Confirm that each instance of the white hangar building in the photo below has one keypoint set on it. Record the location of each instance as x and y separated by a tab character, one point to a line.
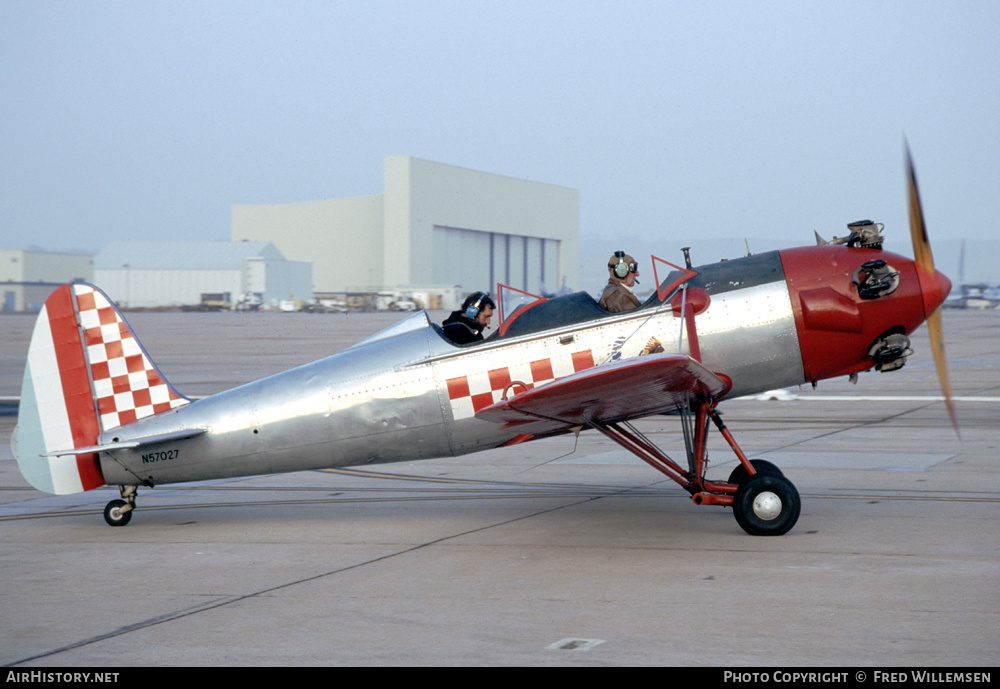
433	225
150	274
27	278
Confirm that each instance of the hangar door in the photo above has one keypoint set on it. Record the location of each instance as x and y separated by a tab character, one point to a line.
478	260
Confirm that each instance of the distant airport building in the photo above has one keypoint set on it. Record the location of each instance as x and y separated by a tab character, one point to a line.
433	224
27	278
201	274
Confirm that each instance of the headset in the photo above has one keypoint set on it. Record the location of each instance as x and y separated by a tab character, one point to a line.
622	269
472	310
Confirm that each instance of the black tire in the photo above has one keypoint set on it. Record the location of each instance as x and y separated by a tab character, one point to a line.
766	505
114	515
761	466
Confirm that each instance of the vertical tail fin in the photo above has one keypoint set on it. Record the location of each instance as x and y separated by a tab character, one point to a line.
86	373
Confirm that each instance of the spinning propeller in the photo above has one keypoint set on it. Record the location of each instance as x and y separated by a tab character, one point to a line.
932	284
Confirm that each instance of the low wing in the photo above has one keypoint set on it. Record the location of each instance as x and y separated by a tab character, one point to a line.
624	389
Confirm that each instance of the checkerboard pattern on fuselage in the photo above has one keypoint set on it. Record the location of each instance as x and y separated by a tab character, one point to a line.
470	393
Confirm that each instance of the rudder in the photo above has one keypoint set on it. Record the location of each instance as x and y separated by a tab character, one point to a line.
86	373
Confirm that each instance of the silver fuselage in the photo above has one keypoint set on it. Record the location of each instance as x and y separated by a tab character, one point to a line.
407	393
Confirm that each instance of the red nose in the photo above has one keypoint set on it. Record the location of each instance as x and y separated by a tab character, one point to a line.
934	288
945	284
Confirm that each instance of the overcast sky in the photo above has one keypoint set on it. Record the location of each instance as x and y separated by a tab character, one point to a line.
149	120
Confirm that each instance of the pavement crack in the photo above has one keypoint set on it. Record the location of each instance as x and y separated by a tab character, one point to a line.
230	600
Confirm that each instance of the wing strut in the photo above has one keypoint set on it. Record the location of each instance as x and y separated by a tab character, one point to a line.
763	500
695	426
626	435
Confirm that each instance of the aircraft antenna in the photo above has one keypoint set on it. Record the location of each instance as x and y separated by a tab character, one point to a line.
576	432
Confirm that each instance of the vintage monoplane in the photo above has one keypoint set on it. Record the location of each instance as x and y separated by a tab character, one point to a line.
95	410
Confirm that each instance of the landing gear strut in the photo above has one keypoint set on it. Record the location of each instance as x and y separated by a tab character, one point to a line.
119	512
764	502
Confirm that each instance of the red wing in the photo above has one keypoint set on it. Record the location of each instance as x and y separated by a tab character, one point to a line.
624	389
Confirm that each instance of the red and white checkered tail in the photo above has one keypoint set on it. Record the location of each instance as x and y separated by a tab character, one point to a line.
86	373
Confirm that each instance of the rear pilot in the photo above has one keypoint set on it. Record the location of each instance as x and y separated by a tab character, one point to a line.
618	295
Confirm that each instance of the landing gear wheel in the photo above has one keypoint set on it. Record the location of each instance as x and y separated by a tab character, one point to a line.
115	513
766	505
761	466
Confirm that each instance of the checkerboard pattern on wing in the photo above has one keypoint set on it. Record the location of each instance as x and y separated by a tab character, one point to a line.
470	393
126	384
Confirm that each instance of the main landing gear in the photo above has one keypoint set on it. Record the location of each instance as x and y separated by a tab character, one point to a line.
766	505
764	502
119	512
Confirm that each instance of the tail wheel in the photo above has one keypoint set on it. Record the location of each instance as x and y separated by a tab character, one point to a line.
766	505
118	513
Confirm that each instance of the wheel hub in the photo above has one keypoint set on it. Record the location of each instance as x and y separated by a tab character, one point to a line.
767	505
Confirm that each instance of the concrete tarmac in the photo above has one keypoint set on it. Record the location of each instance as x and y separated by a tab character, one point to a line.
557	552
